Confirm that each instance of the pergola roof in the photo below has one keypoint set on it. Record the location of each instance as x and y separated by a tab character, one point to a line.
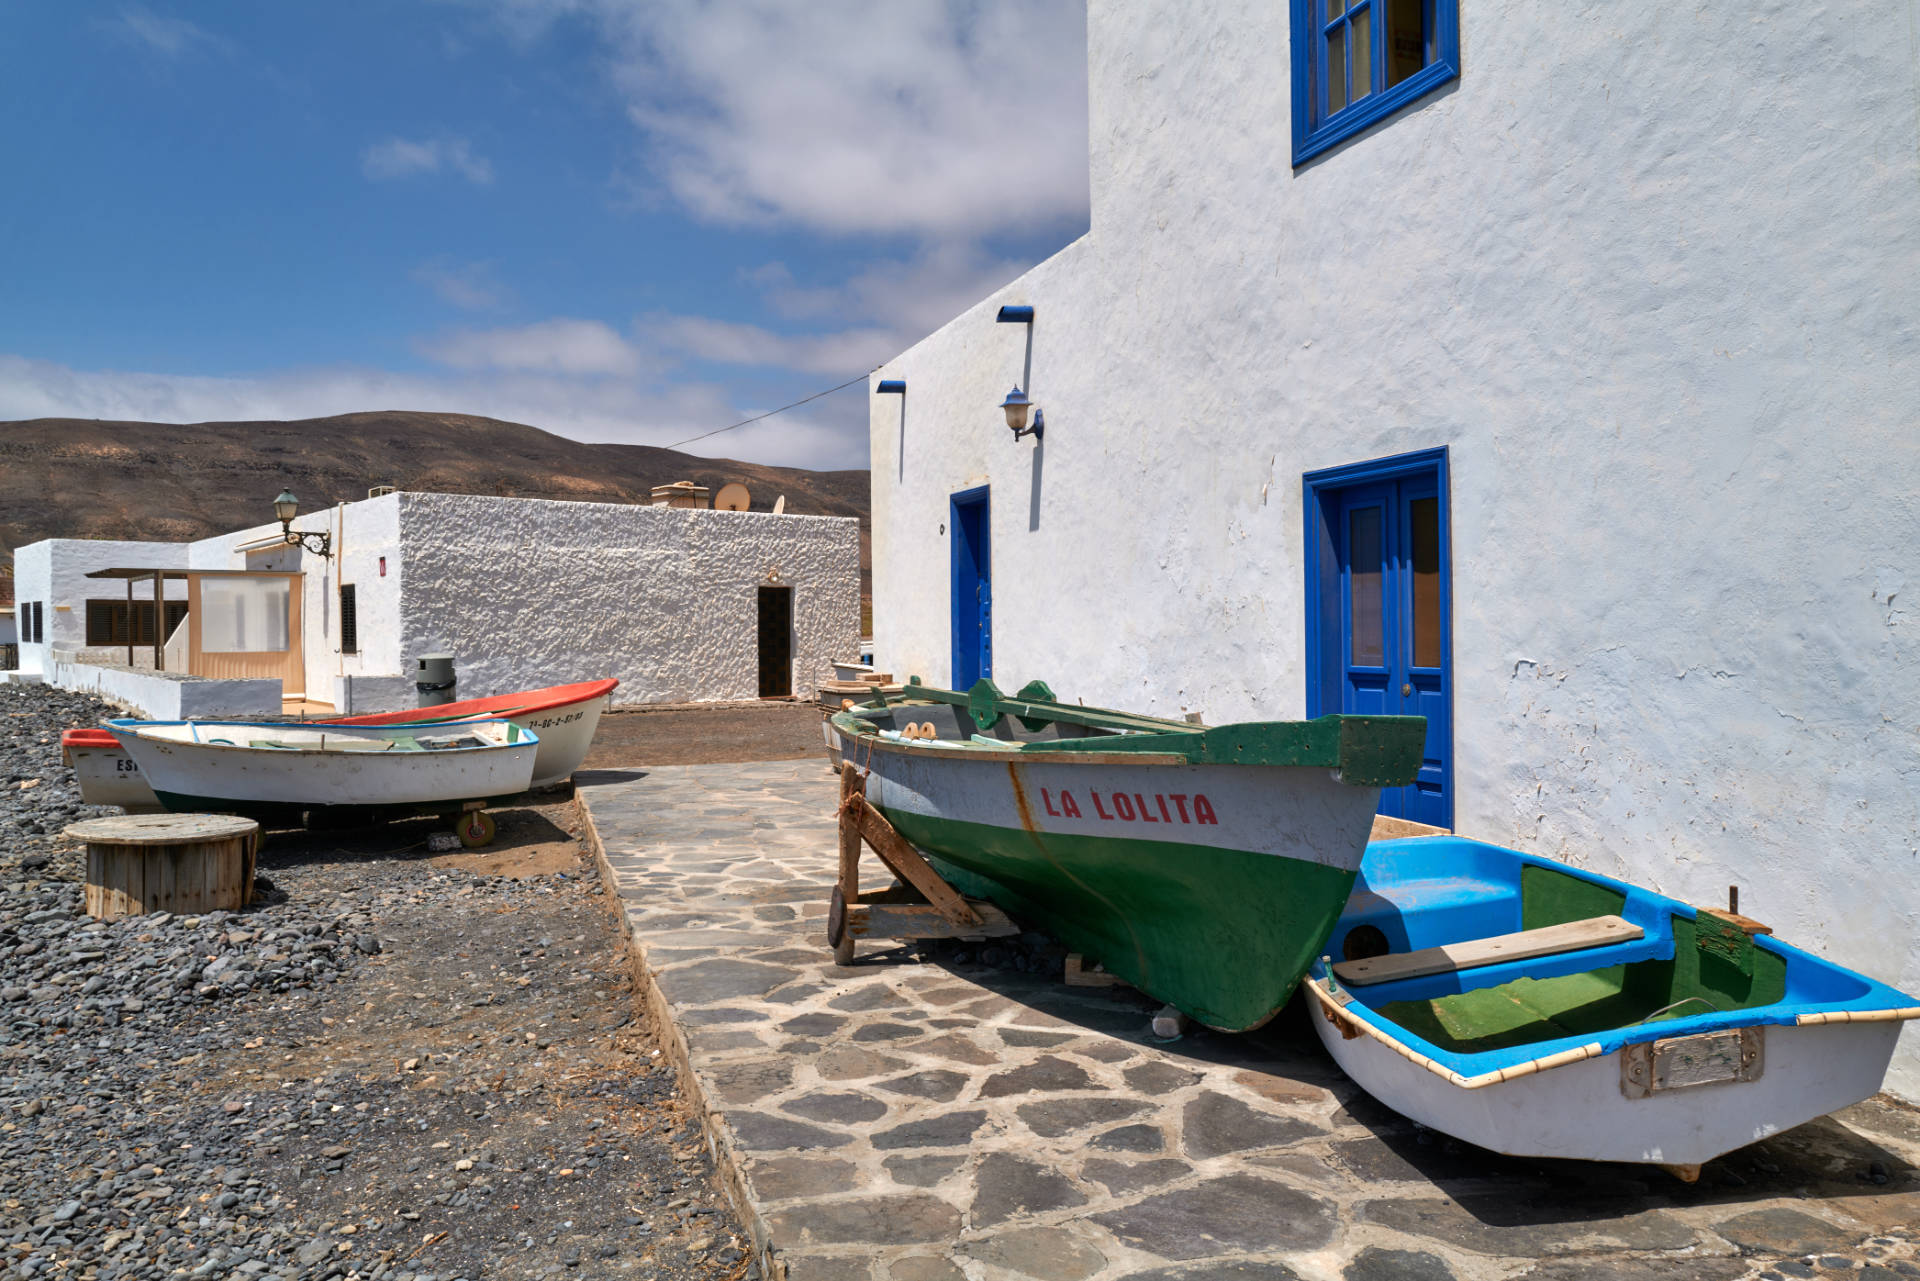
137	574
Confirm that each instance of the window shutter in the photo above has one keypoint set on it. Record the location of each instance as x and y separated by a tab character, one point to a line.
349	621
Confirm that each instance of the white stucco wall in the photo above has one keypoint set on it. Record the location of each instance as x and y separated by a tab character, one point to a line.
54	571
166	696
362	533
1647	273
530	592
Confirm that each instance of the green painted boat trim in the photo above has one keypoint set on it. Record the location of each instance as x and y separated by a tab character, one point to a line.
1221	934
1368	751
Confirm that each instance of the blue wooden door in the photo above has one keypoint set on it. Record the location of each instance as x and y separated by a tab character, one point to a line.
972	589
1387	627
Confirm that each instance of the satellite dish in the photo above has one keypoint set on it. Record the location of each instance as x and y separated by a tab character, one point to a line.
780	505
732	498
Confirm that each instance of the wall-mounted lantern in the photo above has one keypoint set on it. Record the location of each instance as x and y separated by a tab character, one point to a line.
1016	406
319	543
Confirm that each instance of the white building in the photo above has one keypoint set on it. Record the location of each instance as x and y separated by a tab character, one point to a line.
1556	376
681	605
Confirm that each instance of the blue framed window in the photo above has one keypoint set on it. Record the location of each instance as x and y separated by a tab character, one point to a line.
1358	61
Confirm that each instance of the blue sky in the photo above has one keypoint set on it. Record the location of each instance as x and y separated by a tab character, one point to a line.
616	221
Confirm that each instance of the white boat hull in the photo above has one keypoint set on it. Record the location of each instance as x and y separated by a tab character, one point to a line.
218	774
566	735
109	776
1578	1110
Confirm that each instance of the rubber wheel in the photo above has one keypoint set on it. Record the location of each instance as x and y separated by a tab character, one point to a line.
476	829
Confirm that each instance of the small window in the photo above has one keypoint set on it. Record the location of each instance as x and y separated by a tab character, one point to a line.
39	623
1358	61
349	621
107	621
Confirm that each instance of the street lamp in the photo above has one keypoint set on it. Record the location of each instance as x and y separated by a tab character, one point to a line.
320	543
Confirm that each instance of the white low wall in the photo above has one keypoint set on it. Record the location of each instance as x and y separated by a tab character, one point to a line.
362	695
165	696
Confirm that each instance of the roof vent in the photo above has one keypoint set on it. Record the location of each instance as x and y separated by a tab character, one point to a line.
381	491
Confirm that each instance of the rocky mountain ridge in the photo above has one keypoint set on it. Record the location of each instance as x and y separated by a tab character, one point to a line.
93	478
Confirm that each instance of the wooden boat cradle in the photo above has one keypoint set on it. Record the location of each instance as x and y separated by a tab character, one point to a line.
940	910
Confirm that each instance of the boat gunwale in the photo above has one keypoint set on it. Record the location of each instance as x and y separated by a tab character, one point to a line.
531	739
1880	1001
872	741
1320	743
596	689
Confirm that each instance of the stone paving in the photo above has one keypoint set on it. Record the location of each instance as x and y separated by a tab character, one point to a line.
908	1121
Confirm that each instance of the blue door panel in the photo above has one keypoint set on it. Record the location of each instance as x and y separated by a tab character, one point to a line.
1379	640
972	593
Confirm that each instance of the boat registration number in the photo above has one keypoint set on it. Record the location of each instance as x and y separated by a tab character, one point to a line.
1684	1062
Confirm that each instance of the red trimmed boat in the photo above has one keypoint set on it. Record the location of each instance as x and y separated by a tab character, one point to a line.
563	716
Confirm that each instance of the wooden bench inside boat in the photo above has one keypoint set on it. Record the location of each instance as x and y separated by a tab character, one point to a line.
1548	940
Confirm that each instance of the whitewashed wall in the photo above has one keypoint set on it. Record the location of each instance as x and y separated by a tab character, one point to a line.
530	592
169	696
54	571
362	533
1650	275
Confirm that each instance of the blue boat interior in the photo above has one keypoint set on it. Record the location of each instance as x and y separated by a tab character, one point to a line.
1685	972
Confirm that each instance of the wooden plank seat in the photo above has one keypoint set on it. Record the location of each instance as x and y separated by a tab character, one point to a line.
1548	940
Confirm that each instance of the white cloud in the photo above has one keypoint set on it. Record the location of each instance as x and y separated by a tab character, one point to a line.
828	434
403	158
562	346
912	296
842	354
471	285
946	121
171	37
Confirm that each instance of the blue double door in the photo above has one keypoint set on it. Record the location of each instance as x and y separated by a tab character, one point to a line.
1382	627
972	600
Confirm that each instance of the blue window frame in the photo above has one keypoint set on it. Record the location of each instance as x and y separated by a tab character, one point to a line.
1359	61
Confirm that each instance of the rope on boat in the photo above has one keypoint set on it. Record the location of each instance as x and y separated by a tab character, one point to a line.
1685	1000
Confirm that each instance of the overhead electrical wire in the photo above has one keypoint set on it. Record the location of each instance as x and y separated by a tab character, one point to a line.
771	412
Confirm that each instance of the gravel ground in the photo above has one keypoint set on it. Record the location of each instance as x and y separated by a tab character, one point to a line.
391	1066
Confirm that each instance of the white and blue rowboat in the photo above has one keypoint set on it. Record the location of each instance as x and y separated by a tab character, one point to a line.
1540	1010
280	770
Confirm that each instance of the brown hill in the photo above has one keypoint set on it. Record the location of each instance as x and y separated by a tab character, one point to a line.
88	478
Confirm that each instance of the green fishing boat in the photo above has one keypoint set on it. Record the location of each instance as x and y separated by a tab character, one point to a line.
1205	865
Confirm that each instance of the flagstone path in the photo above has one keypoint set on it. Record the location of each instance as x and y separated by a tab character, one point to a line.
907	1121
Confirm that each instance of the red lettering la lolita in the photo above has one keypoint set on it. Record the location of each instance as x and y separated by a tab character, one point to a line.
1135	807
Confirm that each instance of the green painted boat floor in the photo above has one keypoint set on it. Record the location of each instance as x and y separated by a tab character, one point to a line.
1223	935
1528	1011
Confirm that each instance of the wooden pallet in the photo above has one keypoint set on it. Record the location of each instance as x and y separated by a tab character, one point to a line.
920	906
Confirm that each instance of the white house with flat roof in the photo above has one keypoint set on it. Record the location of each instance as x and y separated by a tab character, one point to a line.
682	605
1550	372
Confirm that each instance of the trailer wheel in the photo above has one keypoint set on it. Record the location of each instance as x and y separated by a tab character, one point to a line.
476	829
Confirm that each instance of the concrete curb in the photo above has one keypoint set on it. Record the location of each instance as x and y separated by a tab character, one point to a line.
712	1122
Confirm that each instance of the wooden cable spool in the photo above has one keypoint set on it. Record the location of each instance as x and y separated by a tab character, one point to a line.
182	863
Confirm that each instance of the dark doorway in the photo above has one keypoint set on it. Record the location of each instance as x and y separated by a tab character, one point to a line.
776	642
